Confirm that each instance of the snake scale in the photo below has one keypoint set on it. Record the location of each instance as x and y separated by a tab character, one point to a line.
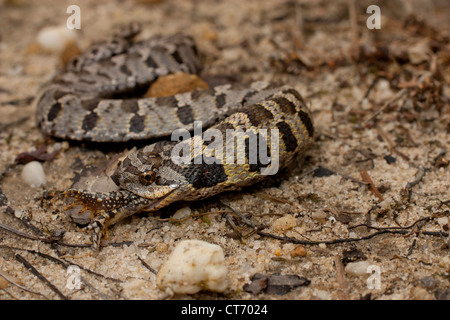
99	98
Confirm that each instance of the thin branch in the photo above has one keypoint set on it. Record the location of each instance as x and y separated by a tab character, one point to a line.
396	97
57	240
420	173
426	219
240	215
345	176
336	241
95	290
192	216
24	235
22	287
145	264
390	143
272	198
343	292
65	263
34	271
365	176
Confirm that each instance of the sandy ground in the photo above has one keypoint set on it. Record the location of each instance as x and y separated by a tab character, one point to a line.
380	100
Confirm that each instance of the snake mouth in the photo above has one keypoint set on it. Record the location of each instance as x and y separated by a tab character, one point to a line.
160	202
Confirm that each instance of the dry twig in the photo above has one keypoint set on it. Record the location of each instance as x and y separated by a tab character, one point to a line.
34	271
386	105
380	231
365	176
343	292
22	287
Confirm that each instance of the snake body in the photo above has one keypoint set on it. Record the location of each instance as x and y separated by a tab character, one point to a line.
93	101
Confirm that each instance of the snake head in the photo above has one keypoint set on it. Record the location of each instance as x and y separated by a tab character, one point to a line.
144	174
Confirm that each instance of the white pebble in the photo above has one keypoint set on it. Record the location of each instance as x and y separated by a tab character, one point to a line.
193	266
358	268
20	214
182	213
443	221
33	174
322	295
55	38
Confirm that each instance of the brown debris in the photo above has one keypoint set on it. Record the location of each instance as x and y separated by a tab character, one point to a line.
35	272
71	50
282	284
298	252
343	291
176	83
40	154
365	177
258	284
275	284
352	255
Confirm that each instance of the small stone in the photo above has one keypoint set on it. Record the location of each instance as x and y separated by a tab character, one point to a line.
322	172
210	35
258	283
442	294
352	255
182	213
390	159
284	223
323	295
357	269
282	284
343	218
428	282
175	84
298	252
21	214
443	221
161	247
233	53
135	288
278	252
33	174
55	38
319	216
193	266
418	293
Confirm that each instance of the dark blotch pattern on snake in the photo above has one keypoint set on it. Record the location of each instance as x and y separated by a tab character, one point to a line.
91	101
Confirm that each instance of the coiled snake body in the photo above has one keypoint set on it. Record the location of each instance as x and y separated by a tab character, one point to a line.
91	101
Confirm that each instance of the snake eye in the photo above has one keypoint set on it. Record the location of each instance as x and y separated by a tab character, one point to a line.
147	177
